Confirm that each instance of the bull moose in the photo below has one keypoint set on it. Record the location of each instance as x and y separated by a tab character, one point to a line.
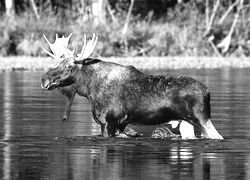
120	95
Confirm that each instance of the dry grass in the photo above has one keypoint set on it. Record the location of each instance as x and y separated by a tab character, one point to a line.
33	63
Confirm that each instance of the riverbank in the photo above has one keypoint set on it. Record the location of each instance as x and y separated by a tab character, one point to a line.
44	63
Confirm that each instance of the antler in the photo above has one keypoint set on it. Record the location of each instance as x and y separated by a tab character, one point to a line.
59	48
88	47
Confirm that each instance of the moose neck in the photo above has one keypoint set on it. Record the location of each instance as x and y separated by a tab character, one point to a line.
89	76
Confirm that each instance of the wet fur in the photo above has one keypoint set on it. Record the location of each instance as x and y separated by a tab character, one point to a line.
120	95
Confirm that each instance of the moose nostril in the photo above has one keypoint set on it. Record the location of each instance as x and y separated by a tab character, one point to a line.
45	83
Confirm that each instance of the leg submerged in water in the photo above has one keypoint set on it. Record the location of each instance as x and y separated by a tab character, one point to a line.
201	118
187	130
209	131
206	128
69	92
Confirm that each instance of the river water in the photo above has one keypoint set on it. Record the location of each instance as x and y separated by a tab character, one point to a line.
36	144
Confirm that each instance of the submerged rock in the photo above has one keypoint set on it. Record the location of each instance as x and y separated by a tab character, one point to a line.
128	132
164	132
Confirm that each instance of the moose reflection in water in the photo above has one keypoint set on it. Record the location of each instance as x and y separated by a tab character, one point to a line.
171	162
121	95
176	160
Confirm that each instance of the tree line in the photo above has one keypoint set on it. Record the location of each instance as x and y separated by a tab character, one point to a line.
130	27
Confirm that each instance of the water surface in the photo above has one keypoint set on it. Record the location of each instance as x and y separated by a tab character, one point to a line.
36	144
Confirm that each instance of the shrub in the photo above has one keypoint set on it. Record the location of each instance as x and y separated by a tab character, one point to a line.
179	33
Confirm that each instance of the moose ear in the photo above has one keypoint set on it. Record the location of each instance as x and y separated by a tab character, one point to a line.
87	61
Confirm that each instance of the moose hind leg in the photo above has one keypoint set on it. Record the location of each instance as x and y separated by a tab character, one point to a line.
209	130
201	118
187	130
204	124
108	123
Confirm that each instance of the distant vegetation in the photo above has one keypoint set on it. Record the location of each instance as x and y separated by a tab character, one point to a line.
129	27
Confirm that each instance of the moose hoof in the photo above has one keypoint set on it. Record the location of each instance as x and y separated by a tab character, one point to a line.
65	119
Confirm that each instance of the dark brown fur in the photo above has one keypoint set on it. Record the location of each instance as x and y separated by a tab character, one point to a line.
120	95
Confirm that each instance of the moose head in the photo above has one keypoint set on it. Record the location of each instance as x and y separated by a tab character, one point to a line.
64	74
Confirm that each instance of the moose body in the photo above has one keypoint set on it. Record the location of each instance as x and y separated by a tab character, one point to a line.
120	95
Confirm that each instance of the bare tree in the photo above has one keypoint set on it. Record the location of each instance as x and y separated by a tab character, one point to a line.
111	13
210	20
33	4
10	10
125	27
98	11
225	43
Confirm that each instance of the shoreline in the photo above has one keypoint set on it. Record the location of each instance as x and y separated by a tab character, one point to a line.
150	63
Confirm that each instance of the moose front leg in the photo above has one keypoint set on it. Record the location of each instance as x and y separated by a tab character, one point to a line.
69	92
109	123
108	129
